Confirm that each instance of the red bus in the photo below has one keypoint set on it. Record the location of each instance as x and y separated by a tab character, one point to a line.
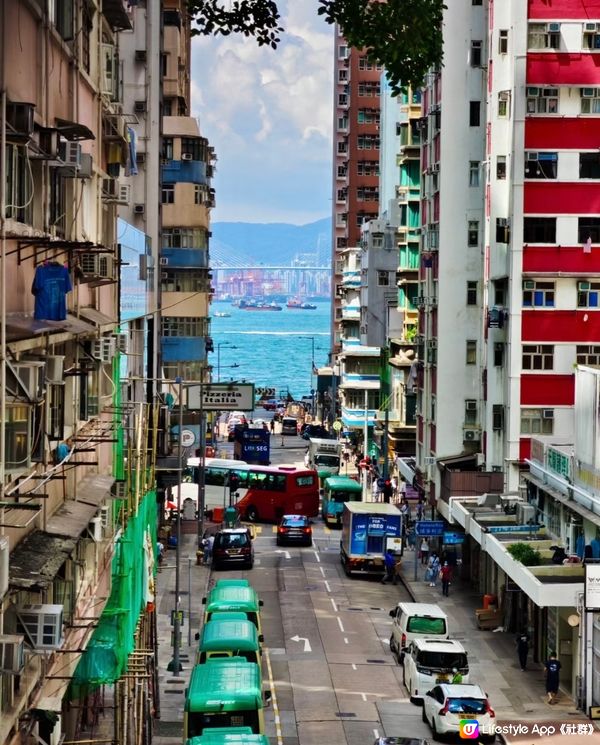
274	491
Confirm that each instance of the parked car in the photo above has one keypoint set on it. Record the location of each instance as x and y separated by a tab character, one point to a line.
233	546
416	621
445	705
315	430
430	661
294	529
272	404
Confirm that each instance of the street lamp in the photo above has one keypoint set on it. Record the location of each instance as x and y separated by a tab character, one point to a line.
219	345
312	368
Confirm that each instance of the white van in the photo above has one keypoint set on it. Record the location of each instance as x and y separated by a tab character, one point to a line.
428	662
416	621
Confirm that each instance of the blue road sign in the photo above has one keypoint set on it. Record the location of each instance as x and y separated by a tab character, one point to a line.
430	527
453	538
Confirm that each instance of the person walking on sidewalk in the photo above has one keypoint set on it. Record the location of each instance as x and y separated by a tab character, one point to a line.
552	666
390	567
445	576
424	550
207	544
523	649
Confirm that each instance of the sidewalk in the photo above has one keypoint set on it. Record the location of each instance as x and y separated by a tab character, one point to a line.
168	729
514	694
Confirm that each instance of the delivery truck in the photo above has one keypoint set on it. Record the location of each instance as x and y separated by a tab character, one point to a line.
369	529
324	456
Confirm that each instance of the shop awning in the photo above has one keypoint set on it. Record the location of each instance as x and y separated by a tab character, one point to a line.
23	326
35	562
71	519
563	499
74	131
101	320
458	461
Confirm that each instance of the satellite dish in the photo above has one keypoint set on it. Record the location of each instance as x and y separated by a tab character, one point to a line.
573	620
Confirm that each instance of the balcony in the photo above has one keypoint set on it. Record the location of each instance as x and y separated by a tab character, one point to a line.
183	348
180	171
182	258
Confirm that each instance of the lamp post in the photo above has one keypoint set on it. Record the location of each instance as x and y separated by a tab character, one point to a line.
219	345
312	368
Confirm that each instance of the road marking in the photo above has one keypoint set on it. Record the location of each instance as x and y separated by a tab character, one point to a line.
335	608
322	571
340	624
354	667
317	557
285	553
347	642
375	734
307	647
327	586
278	731
326	529
384	641
364	696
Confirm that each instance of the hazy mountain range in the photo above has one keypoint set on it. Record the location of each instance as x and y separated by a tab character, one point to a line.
238	243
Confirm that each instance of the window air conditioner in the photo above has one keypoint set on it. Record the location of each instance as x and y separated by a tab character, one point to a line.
139	107
31	376
471	406
96	265
20	117
3	566
583	286
104	349
121	342
123	194
70	153
164	275
547	413
164	261
589	27
471	435
533	91
119	490
96	530
525	513
186	156
42	625
140	55
532	156
502	222
139	209
140	158
55	364
105	517
12	653
588	92
553	28
529	284
432	344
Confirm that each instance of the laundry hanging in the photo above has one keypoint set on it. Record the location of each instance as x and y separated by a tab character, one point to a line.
50	286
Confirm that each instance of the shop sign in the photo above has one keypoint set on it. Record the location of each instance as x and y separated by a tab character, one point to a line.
592	586
513	528
450	539
558	462
221	397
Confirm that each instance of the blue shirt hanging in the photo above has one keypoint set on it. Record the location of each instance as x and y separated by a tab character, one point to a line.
50	286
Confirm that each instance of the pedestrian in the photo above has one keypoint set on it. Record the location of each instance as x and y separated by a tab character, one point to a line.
552	666
445	575
387	491
390	567
207	544
457	677
160	552
522	642
375	490
420	509
433	569
273	425
424	549
412	538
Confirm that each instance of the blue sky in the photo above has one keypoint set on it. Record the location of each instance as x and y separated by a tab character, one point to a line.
268	114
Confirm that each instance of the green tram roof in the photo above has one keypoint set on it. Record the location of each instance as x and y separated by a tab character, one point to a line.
232	583
229	736
232	597
219	635
226	615
228	684
342	483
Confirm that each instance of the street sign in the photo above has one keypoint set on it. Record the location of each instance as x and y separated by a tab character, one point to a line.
187	438
429	527
450	539
221	397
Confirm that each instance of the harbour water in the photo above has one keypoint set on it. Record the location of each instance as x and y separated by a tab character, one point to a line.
270	348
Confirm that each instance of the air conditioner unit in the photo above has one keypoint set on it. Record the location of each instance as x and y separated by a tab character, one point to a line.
471	435
533	91
471	406
435	168
119	490
164	261
139	209
553	28
502	222
139	107
31	376
3	566
104	349
420	301
504	96
547	413
532	156
140	158
429	460
124	194
186	156
488	500
525	513
363	329
96	265
529	284
432	344
96	530
12	653
589	27
583	286
105	517
140	55
70	153
86	167
588	92
121	342
42	625
20	117
55	365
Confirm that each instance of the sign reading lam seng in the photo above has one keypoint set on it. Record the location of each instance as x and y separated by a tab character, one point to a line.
221	397
592	586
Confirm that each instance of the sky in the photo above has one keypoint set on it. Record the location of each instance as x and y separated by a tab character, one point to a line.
268	114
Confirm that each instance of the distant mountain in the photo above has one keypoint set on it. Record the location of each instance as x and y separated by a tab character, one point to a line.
237	243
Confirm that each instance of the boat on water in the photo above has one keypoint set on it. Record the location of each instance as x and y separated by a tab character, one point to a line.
222	314
252	305
295	303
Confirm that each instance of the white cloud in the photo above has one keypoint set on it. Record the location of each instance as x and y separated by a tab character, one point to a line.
268	113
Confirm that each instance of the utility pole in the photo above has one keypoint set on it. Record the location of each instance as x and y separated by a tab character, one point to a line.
174	665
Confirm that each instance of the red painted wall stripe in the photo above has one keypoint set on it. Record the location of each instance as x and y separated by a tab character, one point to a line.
585	10
561	198
560	325
556	68
560	259
524	448
547	390
556	133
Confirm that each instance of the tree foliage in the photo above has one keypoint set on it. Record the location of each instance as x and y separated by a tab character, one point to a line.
405	36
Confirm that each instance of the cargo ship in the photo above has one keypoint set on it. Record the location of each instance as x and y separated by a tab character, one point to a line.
252	305
295	303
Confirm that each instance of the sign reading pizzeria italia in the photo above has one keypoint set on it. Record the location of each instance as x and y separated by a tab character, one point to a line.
221	397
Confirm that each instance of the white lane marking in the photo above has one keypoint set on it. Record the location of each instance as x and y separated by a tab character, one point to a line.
285	553
340	624
322	571
317	557
354	667
347	642
278	731
307	647
384	641
327	586
335	608
376	734
364	696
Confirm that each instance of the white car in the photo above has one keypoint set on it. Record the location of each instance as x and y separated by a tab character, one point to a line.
430	661
236	415
446	705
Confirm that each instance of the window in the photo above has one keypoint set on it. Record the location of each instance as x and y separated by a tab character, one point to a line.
364	64
16	448
342	99
167	107
168	194
473	233
588	227
591	36
497	417
88	395
58	202
87	24
473	173
61	15
590	100
471	352
197	147
470	411
367	194
503	41
588	354
342	51
538	294
197	194
498	354
184	238
167	148
383	279
476	53
538	357
56	412
342	76
367	168
500	293
589	165
501	167
342	171
587	294
184	280
504	104
471	293
184	326
475	2
537	421
368	142
368	116
542	100
342	148
19	196
341	195
474	113
342	122
539	230
543	36
163	65
541	165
